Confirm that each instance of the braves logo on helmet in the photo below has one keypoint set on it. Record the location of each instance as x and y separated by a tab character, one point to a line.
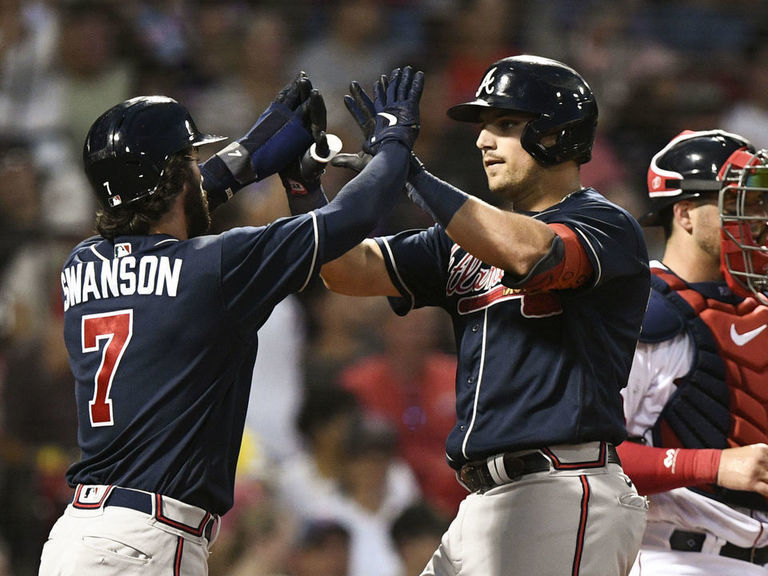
488	83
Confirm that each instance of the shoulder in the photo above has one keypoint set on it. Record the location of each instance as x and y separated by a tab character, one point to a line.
662	320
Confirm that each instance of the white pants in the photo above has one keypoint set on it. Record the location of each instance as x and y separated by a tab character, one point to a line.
116	541
581	522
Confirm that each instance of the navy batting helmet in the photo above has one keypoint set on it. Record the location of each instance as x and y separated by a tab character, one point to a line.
556	95
127	147
688	166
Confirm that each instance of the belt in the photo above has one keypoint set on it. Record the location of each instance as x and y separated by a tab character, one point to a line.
143	502
505	468
685	541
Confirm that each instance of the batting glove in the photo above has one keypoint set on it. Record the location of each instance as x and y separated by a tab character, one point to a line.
393	114
301	178
281	134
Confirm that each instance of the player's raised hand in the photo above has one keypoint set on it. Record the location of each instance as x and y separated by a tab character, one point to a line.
281	134
745	468
393	113
301	178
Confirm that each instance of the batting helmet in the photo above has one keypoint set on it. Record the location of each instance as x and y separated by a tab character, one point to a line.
688	166
558	97
126	147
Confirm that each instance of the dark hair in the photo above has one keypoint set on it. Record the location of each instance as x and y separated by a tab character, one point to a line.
321	404
419	519
137	217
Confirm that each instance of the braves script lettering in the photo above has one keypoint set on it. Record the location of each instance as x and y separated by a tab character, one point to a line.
481	287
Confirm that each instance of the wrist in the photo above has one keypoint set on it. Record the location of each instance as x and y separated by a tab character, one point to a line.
442	200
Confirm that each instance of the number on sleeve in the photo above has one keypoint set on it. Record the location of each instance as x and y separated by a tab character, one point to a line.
116	328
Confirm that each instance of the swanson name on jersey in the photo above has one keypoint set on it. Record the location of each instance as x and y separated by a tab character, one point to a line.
126	276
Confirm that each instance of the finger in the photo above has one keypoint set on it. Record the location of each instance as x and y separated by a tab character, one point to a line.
363	98
394	85
417	87
289	94
305	88
354	162
317	113
357	112
405	83
321	144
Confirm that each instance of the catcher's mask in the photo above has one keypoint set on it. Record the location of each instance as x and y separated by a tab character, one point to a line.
687	167
743	205
127	147
556	95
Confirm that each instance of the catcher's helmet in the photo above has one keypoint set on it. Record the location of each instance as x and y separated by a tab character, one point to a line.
688	166
558	97
126	147
743	206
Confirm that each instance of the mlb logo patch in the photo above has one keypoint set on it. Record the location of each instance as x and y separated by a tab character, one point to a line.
122	249
89	497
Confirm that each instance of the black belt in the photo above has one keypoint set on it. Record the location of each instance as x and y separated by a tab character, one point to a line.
477	477
685	541
142	502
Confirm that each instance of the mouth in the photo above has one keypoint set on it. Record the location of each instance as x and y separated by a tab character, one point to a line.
489	161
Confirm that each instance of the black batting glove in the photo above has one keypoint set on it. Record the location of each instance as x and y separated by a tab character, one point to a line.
301	178
281	133
393	114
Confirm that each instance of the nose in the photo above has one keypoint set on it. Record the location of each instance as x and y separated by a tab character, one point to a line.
485	140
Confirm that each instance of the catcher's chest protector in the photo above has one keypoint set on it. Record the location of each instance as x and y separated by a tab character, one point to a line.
723	401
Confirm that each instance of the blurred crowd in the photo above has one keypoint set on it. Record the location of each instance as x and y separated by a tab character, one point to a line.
342	466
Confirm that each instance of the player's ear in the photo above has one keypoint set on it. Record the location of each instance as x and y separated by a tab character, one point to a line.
681	215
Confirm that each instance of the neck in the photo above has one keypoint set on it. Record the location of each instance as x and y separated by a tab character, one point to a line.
173	222
691	263
553	184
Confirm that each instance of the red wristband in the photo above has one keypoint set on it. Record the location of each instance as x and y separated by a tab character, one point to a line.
656	470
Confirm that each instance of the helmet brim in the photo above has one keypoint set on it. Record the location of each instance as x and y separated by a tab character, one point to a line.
202	139
468	111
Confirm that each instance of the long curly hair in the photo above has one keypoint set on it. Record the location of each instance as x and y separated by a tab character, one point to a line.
137	217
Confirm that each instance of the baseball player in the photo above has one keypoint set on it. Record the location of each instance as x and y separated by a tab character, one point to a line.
161	320
547	293
696	402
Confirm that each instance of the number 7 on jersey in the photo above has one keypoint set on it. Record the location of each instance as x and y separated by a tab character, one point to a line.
116	328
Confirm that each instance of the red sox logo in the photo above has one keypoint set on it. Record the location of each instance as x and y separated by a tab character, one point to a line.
483	288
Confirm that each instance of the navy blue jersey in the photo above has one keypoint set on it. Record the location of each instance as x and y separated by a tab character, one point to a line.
535	369
162	340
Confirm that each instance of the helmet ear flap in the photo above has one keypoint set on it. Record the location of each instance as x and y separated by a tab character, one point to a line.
568	144
531	141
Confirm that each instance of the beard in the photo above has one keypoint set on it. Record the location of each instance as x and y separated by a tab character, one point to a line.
197	212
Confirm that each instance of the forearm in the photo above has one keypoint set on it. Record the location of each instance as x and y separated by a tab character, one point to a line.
655	470
509	241
357	208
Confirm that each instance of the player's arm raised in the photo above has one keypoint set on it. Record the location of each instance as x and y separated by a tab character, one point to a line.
509	241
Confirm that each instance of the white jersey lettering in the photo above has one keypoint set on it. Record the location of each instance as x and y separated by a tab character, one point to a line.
127	276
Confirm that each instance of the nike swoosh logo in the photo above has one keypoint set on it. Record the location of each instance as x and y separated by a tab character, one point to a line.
742	339
237	153
391	118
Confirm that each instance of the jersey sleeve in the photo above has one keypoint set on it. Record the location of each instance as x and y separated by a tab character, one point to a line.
612	239
261	266
417	263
